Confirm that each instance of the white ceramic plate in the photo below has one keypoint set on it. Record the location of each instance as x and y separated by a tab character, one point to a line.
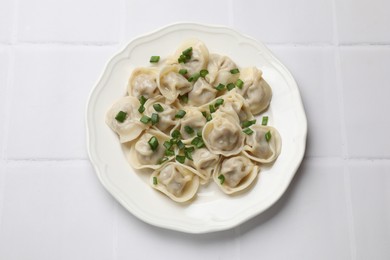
211	210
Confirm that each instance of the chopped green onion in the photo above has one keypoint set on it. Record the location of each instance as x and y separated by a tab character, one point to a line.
180	158
199	133
189	130
248	123
188	152
230	86
182	58
209	117
158	107
154	59
141	109
167	145
180	145
218	102
153	143
268	136
220	87
142	100
175	133
234	71
265	120
155	179
248	131
183	71
184	98
194	77
163	160
174	141
187	51
145	119
121	116
203	73
197	142
239	83
204	113
169	153
212	108
221	178
180	114
155	118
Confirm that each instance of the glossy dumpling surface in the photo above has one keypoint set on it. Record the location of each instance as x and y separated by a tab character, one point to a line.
143	82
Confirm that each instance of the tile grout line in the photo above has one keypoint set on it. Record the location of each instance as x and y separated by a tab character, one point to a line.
343	128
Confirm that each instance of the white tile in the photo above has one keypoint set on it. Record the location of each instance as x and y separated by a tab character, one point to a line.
55	211
4	67
49	95
284	20
138	240
314	70
370	196
69	21
7	10
146	16
363	20
365	73
309	222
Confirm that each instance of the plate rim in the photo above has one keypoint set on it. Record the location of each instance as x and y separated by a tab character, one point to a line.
100	167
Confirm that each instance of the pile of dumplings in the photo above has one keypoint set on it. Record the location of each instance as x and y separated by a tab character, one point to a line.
189	118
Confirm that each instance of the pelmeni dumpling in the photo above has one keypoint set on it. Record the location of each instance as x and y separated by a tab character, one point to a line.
131	127
255	90
172	84
235	102
176	181
223	135
258	148
201	93
193	119
143	82
199	56
205	163
219	68
166	118
142	154
236	174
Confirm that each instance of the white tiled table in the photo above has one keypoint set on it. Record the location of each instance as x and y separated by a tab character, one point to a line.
52	206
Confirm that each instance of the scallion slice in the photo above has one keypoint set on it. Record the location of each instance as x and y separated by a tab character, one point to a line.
239	83
183	71
265	120
189	130
212	108
180	158
188	152
220	87
141	109
121	116
184	98
268	136
230	86
153	143
175	134
158	107
209	117
155	118
221	179
180	114
248	123
218	102
145	119
197	142
248	131
194	77
169	153
142	100
234	71
187	51
155	178
203	73
154	59
180	145
167	145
